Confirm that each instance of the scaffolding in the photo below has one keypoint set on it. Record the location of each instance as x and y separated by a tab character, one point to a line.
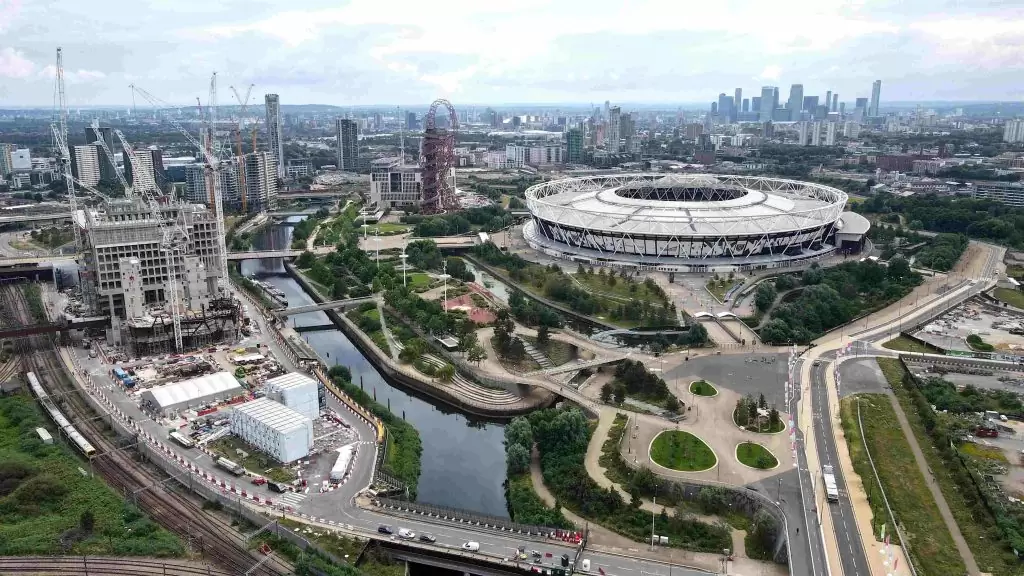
154	334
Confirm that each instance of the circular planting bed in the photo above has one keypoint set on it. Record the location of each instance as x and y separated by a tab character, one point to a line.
703	388
755	456
678	450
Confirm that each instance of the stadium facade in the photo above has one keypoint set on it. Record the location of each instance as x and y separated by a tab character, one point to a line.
690	222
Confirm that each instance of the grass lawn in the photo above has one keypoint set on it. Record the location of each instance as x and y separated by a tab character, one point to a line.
619	289
388	229
679	450
982	535
45	491
931	546
904	344
719	287
255	461
417	280
703	388
1015	271
343	547
756	456
1011	297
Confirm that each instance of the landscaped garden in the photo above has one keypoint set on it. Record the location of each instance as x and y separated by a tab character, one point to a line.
755	456
754	415
703	388
680	450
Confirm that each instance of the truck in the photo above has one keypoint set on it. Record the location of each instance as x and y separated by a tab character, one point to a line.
831	491
230	466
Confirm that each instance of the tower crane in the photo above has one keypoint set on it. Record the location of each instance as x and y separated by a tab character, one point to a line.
60	134
243	187
213	168
128	191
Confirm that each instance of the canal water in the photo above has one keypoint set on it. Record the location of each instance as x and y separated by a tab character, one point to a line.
463	462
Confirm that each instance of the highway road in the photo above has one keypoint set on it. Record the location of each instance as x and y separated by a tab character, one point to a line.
844	524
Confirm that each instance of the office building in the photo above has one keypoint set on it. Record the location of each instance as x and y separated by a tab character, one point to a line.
842	108
273	105
811	104
574	146
410	121
395	186
85	163
1009	193
725	111
835	102
780	115
104	134
737	101
714	107
346	132
613	133
876	96
830	134
1013	131
796	101
828	102
746	105
299	167
851	129
755	105
6	159
861	103
768	102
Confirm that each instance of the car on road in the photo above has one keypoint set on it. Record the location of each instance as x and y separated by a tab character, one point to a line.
471	546
406	534
259	480
425	537
385	529
816	363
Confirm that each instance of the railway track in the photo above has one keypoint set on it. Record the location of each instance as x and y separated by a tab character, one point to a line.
209	535
101	566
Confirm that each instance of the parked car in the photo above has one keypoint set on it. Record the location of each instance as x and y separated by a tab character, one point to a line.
427	538
471	546
384	529
259	480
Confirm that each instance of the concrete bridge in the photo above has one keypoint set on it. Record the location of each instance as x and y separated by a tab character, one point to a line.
35	218
576	366
324	306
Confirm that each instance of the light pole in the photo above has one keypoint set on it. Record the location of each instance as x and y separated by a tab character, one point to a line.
445	277
403	256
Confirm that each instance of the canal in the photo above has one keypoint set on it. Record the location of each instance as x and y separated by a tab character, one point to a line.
463	462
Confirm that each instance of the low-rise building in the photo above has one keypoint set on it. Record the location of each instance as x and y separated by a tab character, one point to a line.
273	428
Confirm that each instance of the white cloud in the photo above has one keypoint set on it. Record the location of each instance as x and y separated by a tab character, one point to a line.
770	72
72	76
13	64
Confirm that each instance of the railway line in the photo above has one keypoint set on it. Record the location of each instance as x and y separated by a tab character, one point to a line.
102	566
208	535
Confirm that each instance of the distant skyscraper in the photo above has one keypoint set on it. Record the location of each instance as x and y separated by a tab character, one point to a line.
714	107
273	105
755	104
737	100
6	159
746	104
828	101
768	100
725	108
861	103
347	133
108	173
574	146
835	102
1013	131
627	129
410	120
811	103
796	101
876	96
613	134
842	108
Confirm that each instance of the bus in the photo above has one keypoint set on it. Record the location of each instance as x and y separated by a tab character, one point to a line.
181	439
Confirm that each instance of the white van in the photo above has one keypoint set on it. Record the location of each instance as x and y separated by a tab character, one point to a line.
585	565
406	534
471	546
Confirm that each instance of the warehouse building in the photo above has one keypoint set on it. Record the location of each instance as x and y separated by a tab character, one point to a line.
273	428
296	391
172	399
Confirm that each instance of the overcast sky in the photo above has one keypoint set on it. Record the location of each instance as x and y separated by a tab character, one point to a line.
364	52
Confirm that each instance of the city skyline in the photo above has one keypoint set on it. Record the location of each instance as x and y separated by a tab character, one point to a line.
365	53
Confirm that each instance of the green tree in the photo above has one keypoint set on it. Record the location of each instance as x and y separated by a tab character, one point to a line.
543	336
672	404
477	354
87	521
518	457
305	260
606	392
446	373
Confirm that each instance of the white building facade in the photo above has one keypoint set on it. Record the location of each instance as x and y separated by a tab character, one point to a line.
273	428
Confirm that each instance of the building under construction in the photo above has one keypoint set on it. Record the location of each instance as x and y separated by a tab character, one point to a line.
129	266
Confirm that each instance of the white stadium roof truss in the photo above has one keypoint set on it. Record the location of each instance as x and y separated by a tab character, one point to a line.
723	213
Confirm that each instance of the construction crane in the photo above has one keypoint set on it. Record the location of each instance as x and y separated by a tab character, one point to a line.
213	167
60	135
128	192
243	187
